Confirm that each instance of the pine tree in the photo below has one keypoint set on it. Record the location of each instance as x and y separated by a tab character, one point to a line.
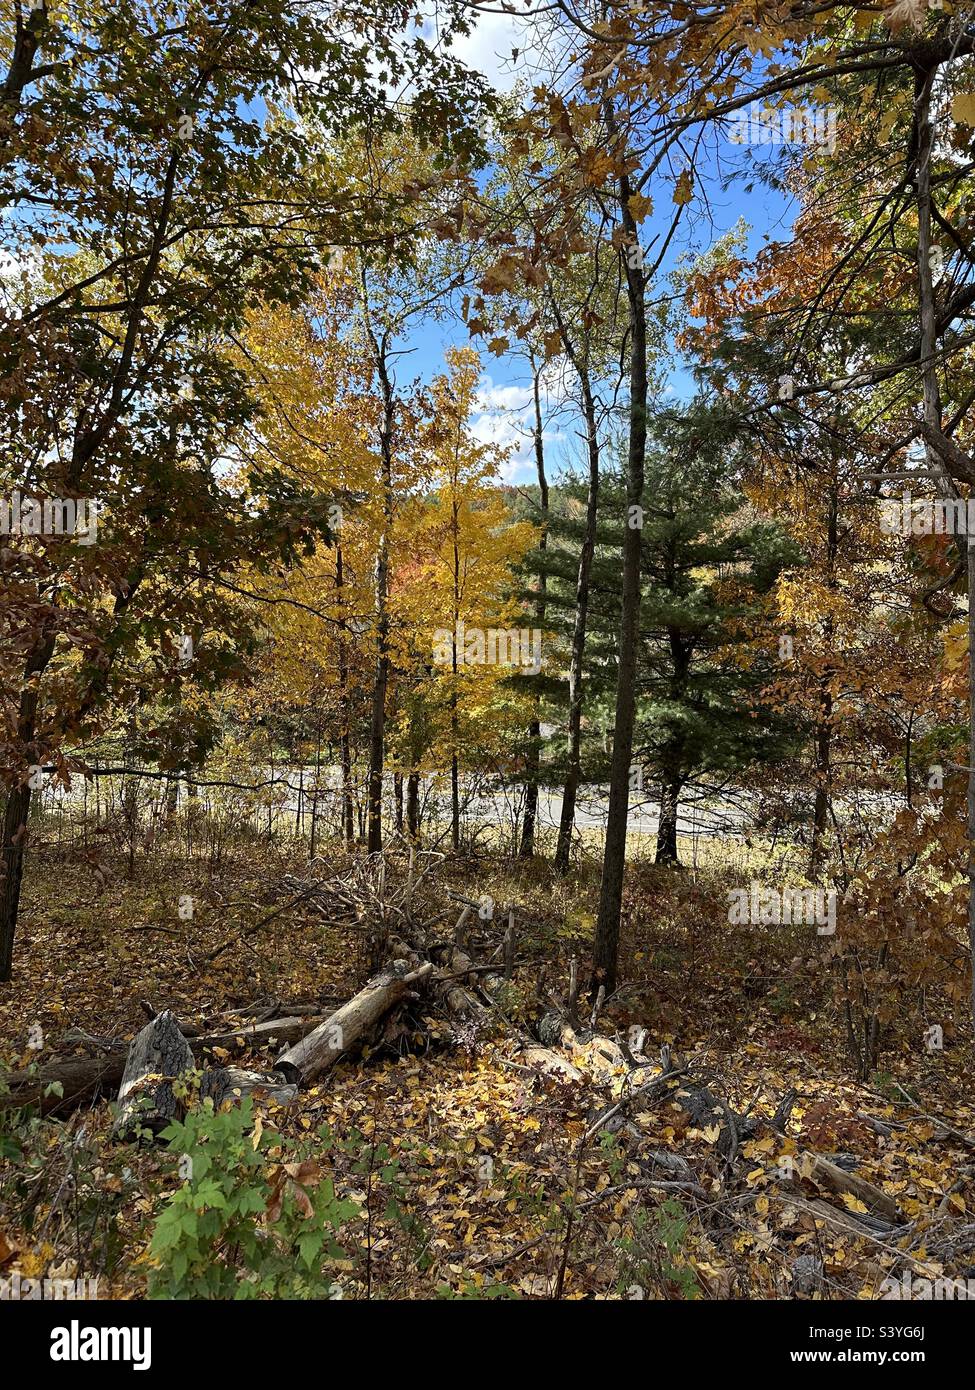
706	566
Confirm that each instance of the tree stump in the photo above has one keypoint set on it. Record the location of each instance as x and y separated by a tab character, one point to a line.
158	1055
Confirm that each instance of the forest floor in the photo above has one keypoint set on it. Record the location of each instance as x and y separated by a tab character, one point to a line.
475	1175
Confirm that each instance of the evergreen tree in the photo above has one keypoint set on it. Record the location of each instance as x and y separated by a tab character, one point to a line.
706	566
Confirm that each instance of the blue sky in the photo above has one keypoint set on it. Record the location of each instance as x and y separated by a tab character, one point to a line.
505	390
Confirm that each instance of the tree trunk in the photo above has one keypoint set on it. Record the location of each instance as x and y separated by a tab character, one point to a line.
14	841
348	809
454	665
667	824
454	788
313	837
345	738
606	943
824	725
577	657
970	549
413	806
923	141
17	806
130	798
821	804
377	723
529	822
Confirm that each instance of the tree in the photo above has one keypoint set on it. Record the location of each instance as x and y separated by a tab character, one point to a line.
706	567
149	173
462	608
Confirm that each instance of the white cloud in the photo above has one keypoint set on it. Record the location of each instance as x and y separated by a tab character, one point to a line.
515	433
491	397
498	429
488	48
515	470
511	434
507	419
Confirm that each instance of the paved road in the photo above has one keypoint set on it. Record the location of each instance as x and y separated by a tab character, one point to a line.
716	817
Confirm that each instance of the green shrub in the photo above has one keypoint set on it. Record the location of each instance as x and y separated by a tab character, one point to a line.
256	1216
55	1184
653	1263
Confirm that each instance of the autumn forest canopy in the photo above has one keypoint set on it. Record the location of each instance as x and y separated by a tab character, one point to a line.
487	745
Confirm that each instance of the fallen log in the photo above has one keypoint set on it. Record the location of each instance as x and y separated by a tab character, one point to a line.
159	1057
543	1059
454	971
279	1008
837	1180
233	1083
273	1030
323	1046
76	1079
868	1227
314	1044
82	1078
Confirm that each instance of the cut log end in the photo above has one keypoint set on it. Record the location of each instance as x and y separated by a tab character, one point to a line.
158	1055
